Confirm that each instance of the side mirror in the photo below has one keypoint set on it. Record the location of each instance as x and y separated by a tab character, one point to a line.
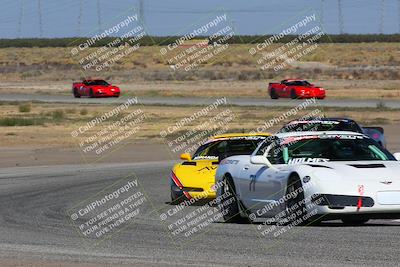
186	156
397	156
259	160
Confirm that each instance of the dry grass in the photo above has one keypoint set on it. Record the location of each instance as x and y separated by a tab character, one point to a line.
328	61
56	131
341	55
367	70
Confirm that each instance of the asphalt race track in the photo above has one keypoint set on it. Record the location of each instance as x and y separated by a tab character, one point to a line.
35	225
179	101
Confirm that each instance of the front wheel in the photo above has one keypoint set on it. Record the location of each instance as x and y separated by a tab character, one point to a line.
296	209
293	94
76	94
228	202
176	198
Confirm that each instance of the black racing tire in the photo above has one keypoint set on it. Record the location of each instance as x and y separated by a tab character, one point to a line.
175	198
91	94
293	94
229	206
354	222
76	93
273	94
295	203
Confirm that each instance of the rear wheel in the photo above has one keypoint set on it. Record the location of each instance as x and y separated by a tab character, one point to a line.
229	204
354	222
293	94
76	93
273	94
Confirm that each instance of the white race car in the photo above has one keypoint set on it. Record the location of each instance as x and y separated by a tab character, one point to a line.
305	177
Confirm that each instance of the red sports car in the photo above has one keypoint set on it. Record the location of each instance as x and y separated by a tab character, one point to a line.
295	89
95	88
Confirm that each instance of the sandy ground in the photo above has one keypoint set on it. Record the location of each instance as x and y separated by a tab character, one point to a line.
139	151
34	156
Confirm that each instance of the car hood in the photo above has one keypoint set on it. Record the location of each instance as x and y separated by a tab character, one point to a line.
358	170
309	87
104	87
196	173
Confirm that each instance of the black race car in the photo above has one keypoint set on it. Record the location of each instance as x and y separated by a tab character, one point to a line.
334	124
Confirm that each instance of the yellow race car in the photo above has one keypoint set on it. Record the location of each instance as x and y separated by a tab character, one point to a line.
193	179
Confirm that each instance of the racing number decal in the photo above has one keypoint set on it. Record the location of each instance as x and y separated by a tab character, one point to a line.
208	168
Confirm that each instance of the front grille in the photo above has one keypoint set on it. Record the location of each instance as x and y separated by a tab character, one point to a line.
192	189
341	201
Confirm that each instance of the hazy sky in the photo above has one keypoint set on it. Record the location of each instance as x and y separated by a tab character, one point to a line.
60	18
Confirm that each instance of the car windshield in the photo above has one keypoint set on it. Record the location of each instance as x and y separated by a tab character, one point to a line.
297	83
97	82
221	149
327	148
321	126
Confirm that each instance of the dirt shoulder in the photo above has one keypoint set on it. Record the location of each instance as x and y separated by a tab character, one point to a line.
35	134
336	88
139	151
35	156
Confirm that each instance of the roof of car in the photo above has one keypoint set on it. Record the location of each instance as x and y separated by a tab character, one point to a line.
291	134
233	135
292	80
321	119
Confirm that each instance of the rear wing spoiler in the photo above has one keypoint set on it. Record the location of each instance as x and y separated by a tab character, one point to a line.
380	129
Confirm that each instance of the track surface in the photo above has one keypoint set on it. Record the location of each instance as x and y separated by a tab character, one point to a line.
198	101
34	225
